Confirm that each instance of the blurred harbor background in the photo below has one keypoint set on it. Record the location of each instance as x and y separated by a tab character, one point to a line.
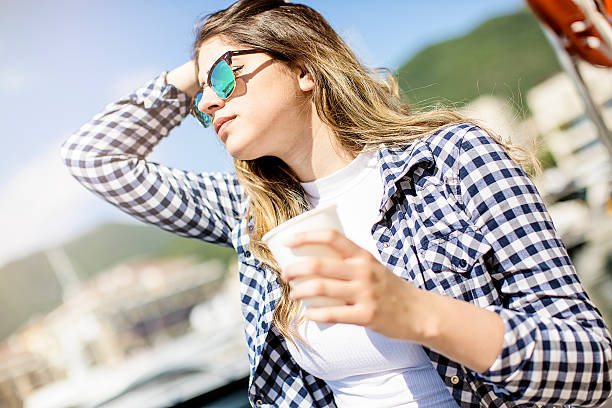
98	310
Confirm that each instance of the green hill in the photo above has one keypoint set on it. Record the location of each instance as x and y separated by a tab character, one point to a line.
504	56
28	286
109	244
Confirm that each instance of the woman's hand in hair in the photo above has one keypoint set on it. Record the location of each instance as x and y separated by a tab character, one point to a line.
185	78
374	296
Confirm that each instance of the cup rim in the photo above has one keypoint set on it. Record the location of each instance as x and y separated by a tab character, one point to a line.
279	228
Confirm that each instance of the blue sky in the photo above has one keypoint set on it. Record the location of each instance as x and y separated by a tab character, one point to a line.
63	61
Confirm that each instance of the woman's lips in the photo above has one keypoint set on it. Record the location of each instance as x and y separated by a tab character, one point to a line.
224	127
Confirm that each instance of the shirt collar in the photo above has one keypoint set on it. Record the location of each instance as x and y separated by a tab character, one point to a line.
398	162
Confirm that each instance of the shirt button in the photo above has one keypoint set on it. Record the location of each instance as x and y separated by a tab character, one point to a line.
247	254
386	245
455	379
463	263
259	403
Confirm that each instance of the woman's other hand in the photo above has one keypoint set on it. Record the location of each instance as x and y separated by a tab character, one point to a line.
376	298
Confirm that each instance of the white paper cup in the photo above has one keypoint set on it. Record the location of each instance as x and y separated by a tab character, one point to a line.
317	219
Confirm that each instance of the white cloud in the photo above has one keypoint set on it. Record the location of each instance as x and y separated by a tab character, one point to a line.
42	205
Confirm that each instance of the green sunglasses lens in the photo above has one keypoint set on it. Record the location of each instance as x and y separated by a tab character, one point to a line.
222	79
204	118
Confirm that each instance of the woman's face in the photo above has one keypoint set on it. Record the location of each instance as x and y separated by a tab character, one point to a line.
267	114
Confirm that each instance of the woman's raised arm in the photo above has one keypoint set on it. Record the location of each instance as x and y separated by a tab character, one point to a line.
107	155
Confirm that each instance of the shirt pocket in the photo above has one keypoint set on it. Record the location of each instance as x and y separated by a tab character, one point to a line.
454	264
437	205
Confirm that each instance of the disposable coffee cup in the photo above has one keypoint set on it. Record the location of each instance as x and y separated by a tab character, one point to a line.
317	219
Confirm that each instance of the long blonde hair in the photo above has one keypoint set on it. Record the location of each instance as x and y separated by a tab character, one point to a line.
362	107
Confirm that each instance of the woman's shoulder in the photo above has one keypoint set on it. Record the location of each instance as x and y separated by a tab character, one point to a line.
443	145
447	140
450	150
452	137
455	144
447	149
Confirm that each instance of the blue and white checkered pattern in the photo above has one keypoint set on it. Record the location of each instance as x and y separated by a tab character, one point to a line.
458	217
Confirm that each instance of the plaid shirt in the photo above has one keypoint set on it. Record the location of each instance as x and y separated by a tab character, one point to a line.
457	217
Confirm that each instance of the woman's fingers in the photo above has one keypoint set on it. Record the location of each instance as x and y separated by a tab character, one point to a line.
330	288
332	238
326	268
357	279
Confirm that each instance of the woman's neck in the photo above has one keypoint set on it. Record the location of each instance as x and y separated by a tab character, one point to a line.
319	155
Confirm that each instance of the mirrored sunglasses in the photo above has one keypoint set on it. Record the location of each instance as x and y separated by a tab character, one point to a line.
221	79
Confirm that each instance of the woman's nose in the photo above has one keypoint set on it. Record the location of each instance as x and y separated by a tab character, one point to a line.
210	101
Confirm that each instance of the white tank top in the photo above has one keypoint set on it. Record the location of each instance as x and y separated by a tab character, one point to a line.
364	368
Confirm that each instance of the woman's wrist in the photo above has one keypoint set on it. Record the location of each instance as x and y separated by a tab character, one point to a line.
425	326
459	330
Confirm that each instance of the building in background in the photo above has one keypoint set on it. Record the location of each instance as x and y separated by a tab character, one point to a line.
559	115
122	313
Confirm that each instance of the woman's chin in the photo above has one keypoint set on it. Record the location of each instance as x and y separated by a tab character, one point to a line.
240	152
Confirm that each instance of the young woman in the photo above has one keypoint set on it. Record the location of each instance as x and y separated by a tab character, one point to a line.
457	290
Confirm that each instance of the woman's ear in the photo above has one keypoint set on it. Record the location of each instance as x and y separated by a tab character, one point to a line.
305	79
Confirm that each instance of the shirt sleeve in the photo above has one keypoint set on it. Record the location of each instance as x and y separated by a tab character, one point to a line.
107	155
556	349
